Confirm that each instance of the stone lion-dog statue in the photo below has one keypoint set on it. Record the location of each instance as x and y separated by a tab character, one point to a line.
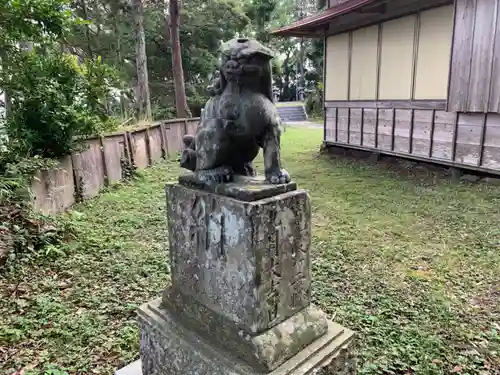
238	119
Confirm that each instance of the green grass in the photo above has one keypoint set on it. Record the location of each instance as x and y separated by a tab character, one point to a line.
405	258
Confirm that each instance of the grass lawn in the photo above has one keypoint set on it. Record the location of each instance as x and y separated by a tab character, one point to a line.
409	261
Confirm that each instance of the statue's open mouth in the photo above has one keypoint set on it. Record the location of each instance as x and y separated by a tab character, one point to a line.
246	69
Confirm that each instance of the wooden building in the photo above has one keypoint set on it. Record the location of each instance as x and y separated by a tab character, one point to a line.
413	78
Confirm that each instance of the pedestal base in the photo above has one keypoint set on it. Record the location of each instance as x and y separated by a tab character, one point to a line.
168	347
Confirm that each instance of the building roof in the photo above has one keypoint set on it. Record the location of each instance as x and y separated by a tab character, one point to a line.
314	25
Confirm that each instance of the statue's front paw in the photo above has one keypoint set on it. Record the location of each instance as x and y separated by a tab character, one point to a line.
250	170
278	177
188	159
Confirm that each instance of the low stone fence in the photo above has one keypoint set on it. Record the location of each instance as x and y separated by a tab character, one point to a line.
105	161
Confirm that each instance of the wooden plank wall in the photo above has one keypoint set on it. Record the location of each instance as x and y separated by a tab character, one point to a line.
100	163
407	58
474	84
468	140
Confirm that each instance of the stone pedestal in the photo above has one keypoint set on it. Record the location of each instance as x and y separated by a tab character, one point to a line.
240	298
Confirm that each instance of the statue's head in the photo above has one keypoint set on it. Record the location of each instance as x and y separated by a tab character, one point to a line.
244	57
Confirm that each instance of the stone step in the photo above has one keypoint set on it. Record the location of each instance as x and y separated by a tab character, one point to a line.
291	108
292	113
290	120
293	118
302	114
294	110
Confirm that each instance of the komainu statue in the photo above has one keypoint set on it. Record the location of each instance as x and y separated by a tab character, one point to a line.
238	119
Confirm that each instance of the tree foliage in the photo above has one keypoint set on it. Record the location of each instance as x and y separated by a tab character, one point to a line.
33	20
55	102
105	29
203	25
52	101
261	12
52	96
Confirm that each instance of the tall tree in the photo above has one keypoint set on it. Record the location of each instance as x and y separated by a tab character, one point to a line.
142	90
86	17
261	12
181	104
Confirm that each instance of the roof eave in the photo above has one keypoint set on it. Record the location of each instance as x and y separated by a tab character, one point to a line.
320	21
308	33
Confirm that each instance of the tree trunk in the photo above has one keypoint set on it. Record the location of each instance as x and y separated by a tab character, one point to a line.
181	105
142	93
285	91
119	63
87	28
302	61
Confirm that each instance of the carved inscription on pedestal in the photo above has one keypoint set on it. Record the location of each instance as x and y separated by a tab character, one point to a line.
246	261
286	264
202	223
198	234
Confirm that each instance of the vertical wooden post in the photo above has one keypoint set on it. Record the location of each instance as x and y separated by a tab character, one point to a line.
348	125
164	146
481	141
131	147
416	39
492	83
349	68
148	146
412	124
362	126
77	176
393	129
127	147
104	162
336	124
379	61
454	138
450	65
431	136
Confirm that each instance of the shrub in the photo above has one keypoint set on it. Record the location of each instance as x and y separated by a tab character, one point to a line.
163	113
56	102
314	102
196	103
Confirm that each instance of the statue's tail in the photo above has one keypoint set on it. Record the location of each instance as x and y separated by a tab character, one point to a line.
188	156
